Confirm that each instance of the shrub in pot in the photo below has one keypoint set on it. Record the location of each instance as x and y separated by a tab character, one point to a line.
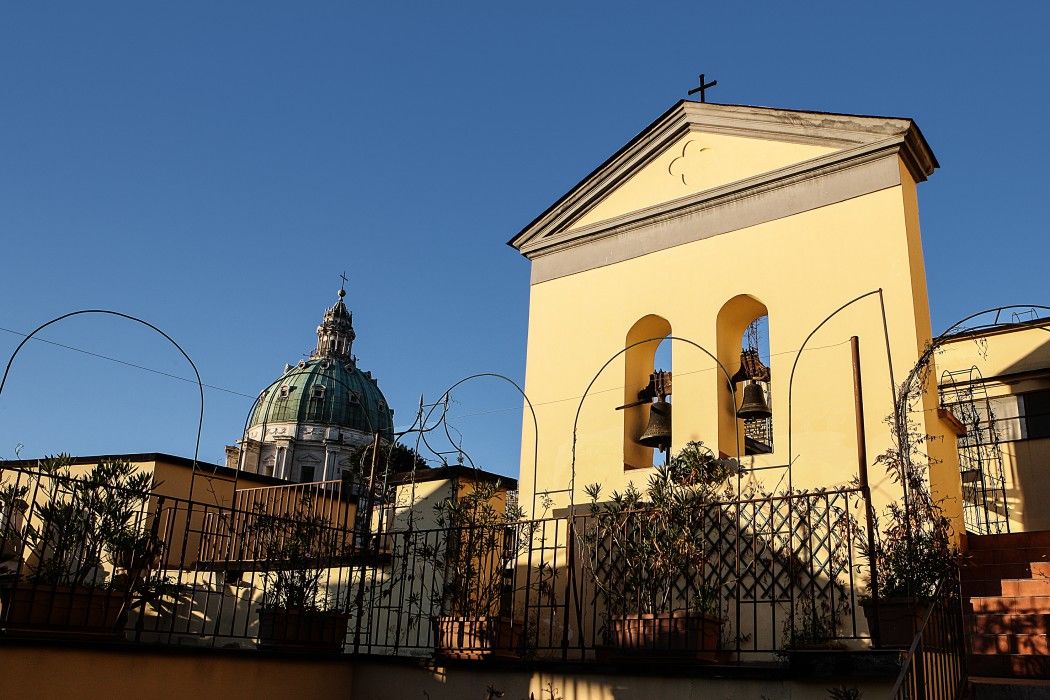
482	537
647	553
299	547
68	574
912	546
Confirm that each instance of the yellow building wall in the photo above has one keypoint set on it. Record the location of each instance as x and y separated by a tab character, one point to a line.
1013	361
698	162
37	671
998	353
372	680
801	267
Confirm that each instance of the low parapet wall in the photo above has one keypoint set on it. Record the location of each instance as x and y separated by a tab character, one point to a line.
372	681
31	670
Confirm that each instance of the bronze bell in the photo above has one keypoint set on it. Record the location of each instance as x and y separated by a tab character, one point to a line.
754	404
658	433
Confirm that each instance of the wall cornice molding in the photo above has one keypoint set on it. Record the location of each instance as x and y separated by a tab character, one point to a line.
857	137
716	212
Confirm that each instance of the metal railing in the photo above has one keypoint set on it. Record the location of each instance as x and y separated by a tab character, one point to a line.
289	571
763	573
935	664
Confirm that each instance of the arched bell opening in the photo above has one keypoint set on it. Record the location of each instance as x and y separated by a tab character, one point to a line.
743	346
647	393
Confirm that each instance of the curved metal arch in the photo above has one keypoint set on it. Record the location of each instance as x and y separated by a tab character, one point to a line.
995	324
901	393
440	454
108	312
528	402
411	429
579	407
802	348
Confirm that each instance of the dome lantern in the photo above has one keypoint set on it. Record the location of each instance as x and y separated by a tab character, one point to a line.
335	335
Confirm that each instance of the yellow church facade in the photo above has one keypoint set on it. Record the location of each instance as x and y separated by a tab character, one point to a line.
712	217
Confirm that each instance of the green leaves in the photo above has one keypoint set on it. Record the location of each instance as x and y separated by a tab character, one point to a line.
299	545
915	549
87	520
647	549
481	534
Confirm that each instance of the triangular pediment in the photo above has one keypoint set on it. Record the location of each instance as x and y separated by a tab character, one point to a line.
699	150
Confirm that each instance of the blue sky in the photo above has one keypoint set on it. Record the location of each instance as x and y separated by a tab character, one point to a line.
213	167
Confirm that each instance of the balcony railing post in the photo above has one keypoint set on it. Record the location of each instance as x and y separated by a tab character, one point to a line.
569	580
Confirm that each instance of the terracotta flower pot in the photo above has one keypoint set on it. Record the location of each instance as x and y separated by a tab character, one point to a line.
678	632
899	620
475	638
302	630
61	609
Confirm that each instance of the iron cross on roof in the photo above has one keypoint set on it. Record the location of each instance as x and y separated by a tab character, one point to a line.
703	87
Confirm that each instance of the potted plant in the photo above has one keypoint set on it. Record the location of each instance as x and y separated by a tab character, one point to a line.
482	536
68	575
813	633
647	553
299	547
13	507
912	549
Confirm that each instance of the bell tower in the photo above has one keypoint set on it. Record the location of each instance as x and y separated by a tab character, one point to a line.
712	219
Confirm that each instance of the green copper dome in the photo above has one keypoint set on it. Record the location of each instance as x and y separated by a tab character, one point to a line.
328	389
329	392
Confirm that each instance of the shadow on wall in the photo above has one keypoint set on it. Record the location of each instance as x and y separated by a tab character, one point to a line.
372	680
760	568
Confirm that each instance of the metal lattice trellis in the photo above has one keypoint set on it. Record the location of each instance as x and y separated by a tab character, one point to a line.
985	508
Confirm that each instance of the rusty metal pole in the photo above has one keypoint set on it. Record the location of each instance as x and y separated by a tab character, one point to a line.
865	486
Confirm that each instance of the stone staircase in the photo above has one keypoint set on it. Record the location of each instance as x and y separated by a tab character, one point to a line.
1006	594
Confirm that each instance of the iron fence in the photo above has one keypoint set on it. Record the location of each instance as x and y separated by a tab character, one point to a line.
935	664
761	575
291	570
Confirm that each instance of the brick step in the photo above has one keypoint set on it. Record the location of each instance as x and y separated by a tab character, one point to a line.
1008	665
1040	569
982	589
1030	623
1010	605
1011	540
1008	689
1022	644
986	572
1021	555
1026	587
